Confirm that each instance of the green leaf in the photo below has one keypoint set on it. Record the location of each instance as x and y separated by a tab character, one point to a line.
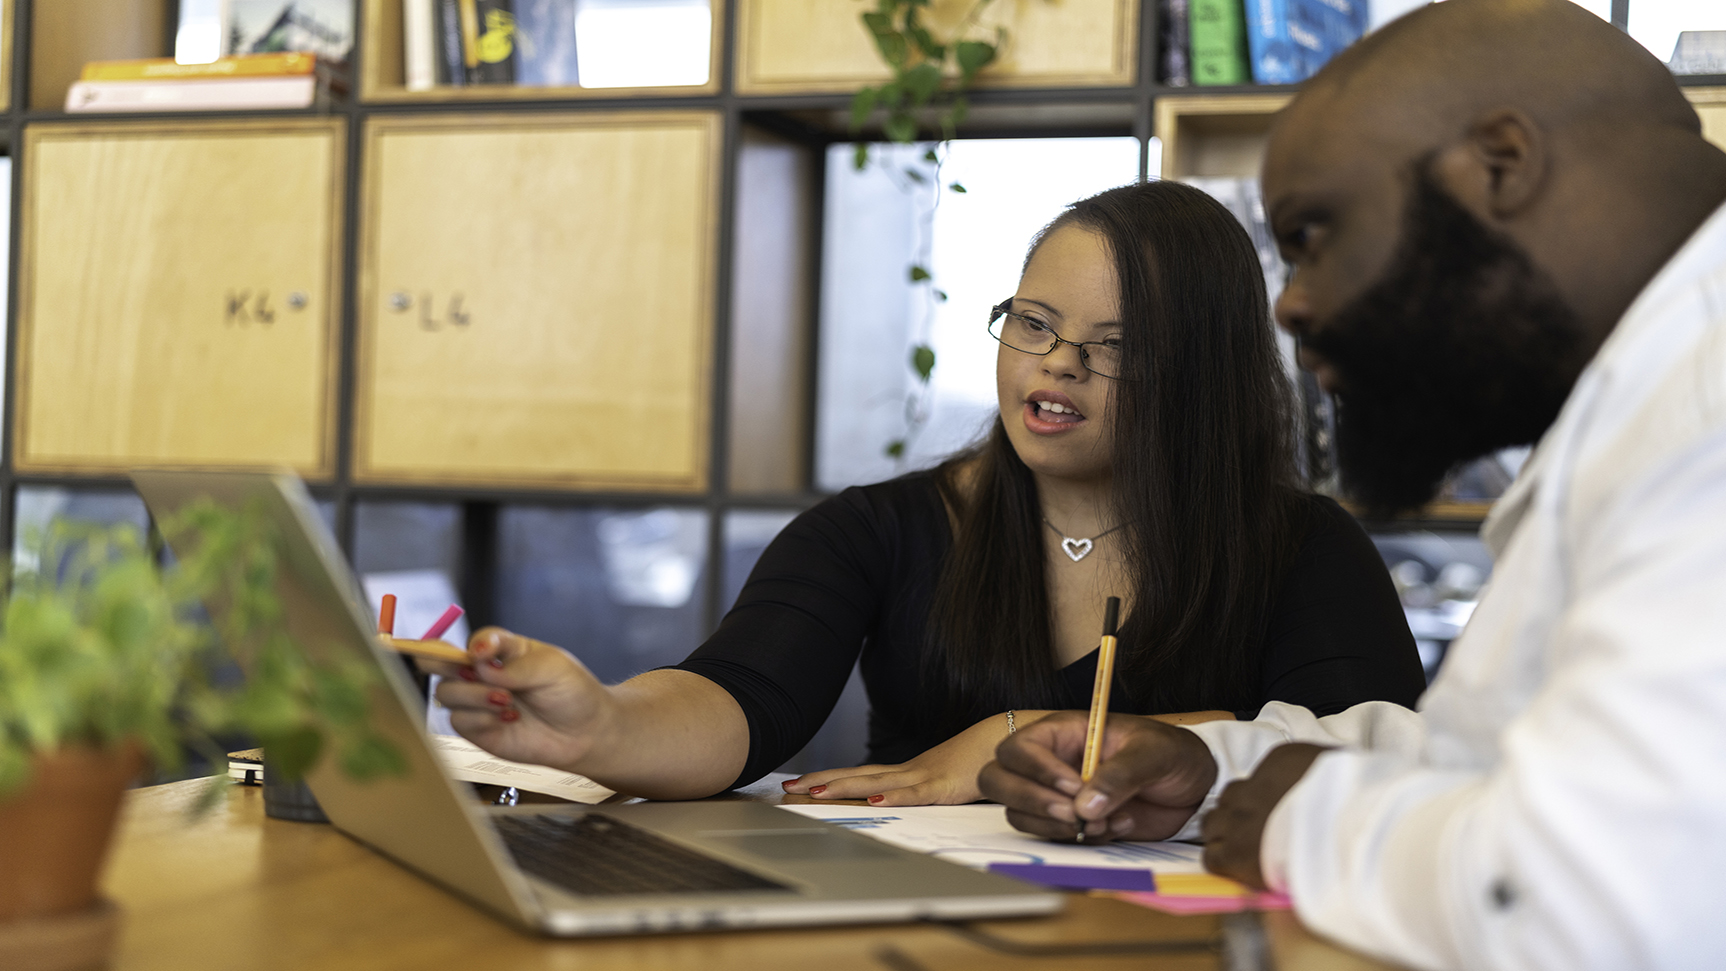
941	295
921	83
860	156
862	103
916	176
895	449
292	753
956	187
973	56
930	156
923	361
919	274
894	50
957	113
901	128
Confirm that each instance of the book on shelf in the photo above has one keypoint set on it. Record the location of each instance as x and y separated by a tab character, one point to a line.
279	80
1173	63
419	44
228	27
1217	33
465	42
1289	40
545	43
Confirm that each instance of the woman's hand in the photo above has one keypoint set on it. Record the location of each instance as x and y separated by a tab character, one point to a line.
945	775
524	700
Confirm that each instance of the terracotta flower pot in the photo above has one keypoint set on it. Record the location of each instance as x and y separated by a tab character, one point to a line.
54	833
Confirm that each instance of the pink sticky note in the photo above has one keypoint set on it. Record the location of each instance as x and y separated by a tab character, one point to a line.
1179	904
436	630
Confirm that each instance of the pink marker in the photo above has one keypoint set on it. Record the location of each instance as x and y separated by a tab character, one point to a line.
449	617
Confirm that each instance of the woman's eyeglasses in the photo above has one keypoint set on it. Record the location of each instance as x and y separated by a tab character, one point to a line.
1022	333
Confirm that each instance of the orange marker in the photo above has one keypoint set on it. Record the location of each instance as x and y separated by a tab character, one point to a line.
387	615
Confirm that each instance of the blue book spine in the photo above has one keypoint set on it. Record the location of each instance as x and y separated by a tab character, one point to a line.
1274	57
545	43
1320	29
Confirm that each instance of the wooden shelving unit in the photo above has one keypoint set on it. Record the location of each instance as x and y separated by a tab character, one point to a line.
452	254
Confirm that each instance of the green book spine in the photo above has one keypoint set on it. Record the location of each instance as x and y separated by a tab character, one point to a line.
1217	29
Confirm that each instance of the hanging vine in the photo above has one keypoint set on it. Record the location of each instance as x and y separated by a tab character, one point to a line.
928	73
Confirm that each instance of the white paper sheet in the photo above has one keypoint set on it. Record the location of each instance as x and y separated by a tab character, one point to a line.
978	835
470	763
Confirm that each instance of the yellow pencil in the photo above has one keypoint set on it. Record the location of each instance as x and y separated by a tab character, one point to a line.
434	649
1100	697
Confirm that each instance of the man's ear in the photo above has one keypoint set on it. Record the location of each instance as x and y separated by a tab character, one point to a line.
1498	168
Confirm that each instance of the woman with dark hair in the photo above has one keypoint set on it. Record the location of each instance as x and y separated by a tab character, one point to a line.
1143	450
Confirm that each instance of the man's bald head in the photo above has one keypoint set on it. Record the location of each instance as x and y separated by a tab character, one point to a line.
1446	62
1469	199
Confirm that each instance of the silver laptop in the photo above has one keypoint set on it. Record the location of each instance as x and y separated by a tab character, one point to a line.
575	870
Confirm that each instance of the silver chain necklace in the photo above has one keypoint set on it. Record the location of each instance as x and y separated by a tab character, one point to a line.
1079	547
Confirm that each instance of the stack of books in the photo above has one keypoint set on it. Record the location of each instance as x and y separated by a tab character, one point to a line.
290	79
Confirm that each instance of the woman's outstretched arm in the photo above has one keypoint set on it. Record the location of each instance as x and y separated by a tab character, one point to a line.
665	734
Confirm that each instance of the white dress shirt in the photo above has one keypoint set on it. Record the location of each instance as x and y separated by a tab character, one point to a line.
1560	799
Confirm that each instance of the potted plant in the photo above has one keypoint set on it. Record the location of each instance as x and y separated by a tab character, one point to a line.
108	663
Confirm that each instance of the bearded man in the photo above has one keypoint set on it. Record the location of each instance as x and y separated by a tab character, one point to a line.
1504	227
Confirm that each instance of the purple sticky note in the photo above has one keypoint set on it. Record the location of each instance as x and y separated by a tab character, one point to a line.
1078	877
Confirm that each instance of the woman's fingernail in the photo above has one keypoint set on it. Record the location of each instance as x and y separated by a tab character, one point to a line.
875	799
496	662
818	790
1096	802
498	698
1120	825
788	783
494	639
1068	786
468	674
508	715
1062	811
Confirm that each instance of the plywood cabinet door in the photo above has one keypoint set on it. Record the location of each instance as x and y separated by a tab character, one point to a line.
536	296
788	46
179	286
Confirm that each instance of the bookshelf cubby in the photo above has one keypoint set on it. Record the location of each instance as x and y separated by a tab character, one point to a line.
799	47
179	295
382	74
680	225
536	299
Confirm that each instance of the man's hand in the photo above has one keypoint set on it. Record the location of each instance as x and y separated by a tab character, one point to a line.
1151	779
1234	830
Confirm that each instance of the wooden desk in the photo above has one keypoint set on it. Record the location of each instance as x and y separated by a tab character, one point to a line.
238	890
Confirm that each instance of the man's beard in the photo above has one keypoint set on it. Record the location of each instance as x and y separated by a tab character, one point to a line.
1462	348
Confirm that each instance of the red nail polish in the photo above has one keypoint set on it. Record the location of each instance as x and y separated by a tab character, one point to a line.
508	715
468	674
499	698
818	790
875	799
788	783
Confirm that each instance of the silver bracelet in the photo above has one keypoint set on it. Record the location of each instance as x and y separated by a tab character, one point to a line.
1011	728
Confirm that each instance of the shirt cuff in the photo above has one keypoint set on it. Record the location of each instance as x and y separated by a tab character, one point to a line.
1237	748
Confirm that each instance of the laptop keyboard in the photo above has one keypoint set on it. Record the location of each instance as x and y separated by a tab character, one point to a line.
596	854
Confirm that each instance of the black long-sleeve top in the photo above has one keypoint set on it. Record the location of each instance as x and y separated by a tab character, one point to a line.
856	574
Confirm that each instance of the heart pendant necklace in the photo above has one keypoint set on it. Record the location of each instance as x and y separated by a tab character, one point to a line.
1079	547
